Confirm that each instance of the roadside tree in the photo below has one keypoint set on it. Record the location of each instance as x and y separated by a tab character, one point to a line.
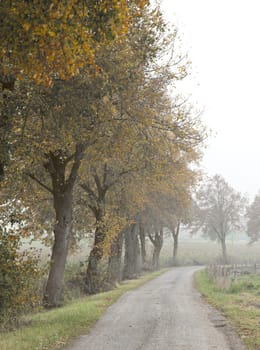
178	216
221	210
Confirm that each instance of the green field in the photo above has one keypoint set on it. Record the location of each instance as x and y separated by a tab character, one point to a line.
240	303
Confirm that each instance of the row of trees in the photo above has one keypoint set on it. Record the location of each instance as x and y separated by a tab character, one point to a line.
92	140
96	141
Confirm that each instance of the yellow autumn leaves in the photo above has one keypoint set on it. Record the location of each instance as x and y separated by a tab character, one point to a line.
42	40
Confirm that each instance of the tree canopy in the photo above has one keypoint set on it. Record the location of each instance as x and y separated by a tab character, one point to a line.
47	39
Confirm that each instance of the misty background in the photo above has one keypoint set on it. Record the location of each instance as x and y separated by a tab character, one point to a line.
221	39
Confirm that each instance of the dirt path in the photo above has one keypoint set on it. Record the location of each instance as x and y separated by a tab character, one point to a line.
164	314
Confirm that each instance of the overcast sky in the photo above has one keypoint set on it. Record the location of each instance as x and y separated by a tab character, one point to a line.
222	41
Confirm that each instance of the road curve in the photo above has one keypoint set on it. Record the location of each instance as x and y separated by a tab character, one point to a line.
164	314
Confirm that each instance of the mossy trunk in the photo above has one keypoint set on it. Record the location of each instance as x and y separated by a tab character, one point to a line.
62	236
114	274
93	279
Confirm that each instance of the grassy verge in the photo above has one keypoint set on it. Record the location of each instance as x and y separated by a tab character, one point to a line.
240	303
51	330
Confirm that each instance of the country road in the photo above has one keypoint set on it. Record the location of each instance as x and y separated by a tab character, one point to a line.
164	314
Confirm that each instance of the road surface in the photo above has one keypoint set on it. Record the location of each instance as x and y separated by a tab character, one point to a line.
164	314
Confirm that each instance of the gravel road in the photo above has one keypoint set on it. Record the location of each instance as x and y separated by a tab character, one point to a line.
164	314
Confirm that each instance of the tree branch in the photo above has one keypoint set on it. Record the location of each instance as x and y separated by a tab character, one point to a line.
75	167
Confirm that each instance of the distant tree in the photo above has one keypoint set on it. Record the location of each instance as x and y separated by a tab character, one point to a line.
179	214
220	210
253	216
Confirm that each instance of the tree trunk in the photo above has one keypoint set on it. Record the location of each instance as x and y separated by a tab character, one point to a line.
175	235
5	122
93	277
175	247
224	251
157	242
132	254
62	191
114	262
143	247
156	257
62	235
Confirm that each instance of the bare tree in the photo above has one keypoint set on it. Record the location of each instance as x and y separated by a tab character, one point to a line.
253	216
220	210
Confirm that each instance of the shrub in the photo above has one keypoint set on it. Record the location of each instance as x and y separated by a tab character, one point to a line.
19	279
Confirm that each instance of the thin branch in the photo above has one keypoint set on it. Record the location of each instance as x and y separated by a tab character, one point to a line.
151	238
89	191
98	184
105	174
39	182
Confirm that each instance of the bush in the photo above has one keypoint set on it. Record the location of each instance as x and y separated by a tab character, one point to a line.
19	279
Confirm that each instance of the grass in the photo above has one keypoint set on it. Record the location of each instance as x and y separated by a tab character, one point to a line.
240	303
52	330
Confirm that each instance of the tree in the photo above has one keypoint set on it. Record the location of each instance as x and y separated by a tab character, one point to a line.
46	151
99	191
179	214
221	210
253	216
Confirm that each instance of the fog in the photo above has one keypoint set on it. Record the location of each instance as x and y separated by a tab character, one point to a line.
221	39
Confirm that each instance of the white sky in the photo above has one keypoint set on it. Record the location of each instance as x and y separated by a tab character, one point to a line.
223	43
